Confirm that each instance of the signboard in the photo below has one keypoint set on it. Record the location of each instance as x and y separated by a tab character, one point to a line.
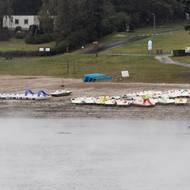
125	74
41	49
48	49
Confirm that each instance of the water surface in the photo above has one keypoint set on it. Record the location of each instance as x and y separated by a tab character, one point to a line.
94	155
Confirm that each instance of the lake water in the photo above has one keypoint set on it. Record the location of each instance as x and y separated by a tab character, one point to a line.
94	155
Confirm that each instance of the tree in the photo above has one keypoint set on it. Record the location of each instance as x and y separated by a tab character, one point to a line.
46	18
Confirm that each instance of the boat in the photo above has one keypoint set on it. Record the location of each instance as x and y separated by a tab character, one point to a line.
110	102
144	102
123	102
181	101
60	93
165	100
78	100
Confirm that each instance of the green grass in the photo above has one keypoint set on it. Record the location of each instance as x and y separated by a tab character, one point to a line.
75	65
185	59
166	41
142	69
18	44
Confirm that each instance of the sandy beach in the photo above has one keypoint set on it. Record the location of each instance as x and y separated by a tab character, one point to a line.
62	107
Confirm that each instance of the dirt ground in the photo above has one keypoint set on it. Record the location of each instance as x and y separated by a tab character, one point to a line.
62	107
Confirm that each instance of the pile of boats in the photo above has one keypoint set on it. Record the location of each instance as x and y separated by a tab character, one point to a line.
30	95
143	99
27	95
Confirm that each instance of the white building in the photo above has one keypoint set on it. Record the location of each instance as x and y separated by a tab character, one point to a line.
24	22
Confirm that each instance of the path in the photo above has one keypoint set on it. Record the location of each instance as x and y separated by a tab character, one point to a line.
165	59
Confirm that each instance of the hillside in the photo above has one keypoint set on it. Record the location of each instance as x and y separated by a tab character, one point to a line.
142	67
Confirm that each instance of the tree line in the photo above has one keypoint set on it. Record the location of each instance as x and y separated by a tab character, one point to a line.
80	22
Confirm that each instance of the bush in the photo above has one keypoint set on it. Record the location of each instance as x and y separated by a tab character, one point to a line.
72	42
178	53
187	27
62	46
5	34
38	39
11	54
20	35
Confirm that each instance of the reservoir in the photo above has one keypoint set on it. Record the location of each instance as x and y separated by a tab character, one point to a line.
86	154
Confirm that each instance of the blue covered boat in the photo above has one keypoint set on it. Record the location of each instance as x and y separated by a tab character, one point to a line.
96	77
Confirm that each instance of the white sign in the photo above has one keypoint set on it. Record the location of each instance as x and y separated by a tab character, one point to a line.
41	49
150	44
187	50
125	74
48	49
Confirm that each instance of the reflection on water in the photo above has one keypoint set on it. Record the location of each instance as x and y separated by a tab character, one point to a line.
94	155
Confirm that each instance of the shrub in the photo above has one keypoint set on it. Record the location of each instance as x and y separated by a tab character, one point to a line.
4	34
20	35
178	53
38	39
187	27
72	42
11	54
62	46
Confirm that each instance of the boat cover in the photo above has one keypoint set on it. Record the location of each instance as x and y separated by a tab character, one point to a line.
96	77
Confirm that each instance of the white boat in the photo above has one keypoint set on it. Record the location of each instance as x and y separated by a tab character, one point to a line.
123	102
181	101
165	100
110	102
60	93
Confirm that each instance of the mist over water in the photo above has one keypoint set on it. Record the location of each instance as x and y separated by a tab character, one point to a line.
94	155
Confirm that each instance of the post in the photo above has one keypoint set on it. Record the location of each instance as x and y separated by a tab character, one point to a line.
154	20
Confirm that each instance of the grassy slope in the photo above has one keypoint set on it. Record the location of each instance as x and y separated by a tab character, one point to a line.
182	59
166	41
17	44
141	68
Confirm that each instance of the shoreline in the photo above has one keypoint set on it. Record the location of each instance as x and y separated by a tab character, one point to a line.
61	108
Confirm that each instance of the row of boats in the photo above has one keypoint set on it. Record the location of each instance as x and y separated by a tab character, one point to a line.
30	95
143	99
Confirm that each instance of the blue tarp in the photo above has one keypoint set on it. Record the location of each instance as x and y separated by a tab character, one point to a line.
96	77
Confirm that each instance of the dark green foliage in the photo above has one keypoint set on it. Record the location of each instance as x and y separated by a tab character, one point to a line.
177	53
187	27
20	35
38	39
5	34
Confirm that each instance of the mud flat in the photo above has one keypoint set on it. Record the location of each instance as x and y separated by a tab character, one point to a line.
62	107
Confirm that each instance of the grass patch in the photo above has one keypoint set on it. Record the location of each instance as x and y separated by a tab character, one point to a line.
142	69
185	59
166	41
19	44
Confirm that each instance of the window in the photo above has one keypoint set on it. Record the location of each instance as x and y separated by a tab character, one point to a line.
26	21
16	21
